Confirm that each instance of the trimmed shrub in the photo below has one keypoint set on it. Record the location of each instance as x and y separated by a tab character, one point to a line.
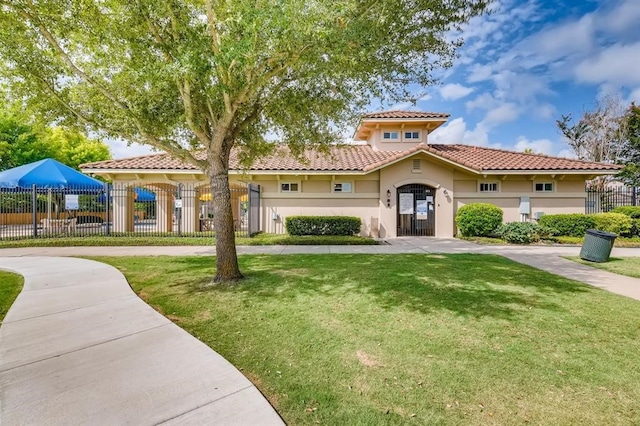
632	211
478	219
569	225
635	227
522	232
616	223
322	225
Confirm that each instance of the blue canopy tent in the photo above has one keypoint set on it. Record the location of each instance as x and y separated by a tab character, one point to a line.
48	174
141	195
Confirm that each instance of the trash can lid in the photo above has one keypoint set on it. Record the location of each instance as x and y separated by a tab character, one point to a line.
601	233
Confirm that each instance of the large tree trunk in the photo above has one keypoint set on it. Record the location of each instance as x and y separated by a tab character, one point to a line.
226	256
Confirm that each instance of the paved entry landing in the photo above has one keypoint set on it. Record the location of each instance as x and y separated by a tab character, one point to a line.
79	347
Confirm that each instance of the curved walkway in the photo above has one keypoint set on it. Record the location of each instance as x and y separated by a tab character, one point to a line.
79	347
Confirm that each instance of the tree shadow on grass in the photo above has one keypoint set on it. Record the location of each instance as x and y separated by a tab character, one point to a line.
466	284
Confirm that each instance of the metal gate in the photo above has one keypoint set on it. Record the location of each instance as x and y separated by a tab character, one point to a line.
416	211
254	209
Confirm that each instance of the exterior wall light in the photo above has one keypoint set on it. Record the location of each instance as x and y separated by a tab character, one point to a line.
445	192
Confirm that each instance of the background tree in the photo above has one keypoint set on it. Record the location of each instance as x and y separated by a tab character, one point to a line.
600	135
22	143
630	175
197	78
19	143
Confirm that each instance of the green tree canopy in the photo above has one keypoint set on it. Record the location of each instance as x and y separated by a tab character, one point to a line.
23	143
208	74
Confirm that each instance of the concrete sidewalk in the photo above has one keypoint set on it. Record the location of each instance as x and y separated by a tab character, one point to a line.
79	347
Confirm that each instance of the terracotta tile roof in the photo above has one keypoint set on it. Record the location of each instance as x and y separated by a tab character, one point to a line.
405	114
491	159
362	158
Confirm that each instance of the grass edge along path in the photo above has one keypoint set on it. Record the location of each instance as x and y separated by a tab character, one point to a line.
628	266
418	339
10	287
141	240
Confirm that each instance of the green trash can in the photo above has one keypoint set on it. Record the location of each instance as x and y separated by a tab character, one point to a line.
597	245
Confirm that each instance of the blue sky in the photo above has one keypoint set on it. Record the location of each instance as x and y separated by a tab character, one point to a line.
525	65
531	61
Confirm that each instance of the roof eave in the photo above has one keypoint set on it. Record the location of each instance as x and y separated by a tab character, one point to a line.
549	172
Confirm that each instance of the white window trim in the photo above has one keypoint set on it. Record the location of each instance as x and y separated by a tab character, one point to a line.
342	182
280	183
398	132
553	186
489	182
405	139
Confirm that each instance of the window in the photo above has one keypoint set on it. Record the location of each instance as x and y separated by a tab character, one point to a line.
412	135
488	187
543	187
289	187
342	187
390	135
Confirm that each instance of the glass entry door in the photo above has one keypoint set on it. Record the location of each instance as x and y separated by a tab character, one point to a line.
416	211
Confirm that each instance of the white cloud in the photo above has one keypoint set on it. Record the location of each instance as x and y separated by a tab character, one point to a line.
566	153
502	114
120	149
622	18
480	72
456	132
482	102
545	111
614	64
538	146
455	91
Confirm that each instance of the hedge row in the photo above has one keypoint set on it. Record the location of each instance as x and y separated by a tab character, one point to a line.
576	225
322	225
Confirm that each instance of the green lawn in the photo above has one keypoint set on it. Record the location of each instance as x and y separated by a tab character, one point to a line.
171	240
10	287
629	266
419	339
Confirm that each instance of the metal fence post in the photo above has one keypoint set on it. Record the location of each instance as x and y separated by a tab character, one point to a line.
179	210
107	206
34	209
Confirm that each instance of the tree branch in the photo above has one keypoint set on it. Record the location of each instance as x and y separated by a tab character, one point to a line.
67	59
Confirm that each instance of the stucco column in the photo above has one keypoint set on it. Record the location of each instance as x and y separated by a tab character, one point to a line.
164	210
122	199
190	209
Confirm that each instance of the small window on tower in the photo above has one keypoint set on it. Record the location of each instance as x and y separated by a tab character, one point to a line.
412	135
390	135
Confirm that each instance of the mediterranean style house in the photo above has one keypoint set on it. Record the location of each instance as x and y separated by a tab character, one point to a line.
392	178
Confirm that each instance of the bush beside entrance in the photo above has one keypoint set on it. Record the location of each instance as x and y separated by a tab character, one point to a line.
478	219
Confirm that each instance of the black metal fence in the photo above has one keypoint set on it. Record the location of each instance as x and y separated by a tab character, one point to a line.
159	209
605	200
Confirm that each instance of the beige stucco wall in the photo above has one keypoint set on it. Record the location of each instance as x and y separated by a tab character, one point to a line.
276	210
431	174
465	185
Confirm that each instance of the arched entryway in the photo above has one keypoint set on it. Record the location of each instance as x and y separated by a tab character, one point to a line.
416	210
